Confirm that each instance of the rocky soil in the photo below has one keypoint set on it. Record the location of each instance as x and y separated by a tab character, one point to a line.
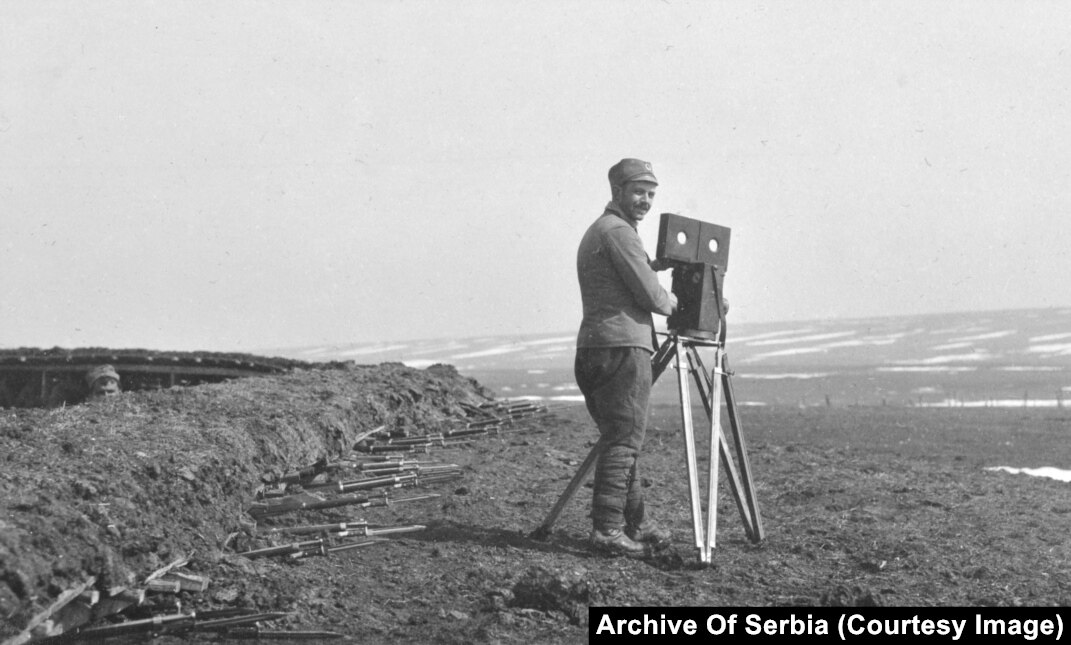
861	506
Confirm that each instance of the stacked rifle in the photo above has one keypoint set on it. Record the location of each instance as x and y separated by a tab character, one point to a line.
369	485
380	464
363	482
487	419
326	544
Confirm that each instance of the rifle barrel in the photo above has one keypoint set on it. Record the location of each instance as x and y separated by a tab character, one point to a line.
317	528
280	550
257	633
375	482
394	530
228	623
154	624
354	545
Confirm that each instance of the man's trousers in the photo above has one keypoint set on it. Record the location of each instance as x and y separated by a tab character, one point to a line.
616	383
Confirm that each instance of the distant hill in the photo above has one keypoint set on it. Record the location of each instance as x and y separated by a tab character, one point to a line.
994	358
935	342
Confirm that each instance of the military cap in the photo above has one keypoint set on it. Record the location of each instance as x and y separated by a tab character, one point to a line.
100	371
628	170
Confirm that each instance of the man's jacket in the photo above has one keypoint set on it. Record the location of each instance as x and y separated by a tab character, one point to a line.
618	288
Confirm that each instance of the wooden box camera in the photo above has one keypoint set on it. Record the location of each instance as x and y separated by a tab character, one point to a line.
699	253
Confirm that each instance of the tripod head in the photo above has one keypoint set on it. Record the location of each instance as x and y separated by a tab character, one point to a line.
699	254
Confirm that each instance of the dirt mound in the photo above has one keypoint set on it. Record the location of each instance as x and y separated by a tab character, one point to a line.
114	489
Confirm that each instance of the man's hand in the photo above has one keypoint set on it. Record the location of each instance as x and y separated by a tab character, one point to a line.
660	264
672	301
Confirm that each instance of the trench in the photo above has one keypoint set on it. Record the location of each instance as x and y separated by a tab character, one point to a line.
113	489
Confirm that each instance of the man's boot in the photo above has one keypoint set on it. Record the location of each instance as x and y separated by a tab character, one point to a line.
615	542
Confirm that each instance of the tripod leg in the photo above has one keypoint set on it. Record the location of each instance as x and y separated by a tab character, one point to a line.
708	393
705	383
715	445
683	366
570	491
699	373
757	533
659	362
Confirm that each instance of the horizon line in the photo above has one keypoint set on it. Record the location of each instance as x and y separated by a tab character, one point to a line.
838	319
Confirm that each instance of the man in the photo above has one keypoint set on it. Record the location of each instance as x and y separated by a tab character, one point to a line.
620	291
103	381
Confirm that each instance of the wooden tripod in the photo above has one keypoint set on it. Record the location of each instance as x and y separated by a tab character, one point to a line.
712	386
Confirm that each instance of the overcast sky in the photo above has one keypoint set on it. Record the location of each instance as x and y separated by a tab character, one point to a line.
240	175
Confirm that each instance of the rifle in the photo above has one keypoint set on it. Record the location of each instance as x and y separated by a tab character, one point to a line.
510	408
324	551
226	624
383	530
154	625
321	546
345	529
255	632
400	466
509	411
453	437
319	528
284	549
291	505
167	624
411	477
411	445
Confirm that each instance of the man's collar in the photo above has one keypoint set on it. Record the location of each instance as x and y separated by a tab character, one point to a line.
612	207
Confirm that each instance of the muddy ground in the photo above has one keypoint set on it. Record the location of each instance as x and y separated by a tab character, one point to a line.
861	506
